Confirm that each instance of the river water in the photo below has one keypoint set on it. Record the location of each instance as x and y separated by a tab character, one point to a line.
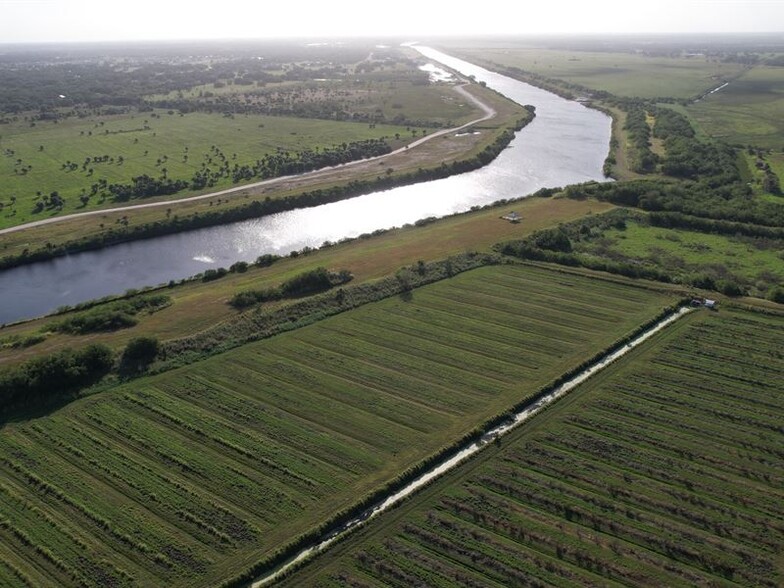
565	144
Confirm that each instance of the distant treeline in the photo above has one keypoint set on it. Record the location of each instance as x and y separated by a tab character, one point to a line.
259	208
31	80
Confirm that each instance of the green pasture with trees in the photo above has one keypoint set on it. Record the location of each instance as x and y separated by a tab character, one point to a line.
76	136
191	476
663	470
73	165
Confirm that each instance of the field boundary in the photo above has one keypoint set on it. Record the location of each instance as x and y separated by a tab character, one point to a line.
297	552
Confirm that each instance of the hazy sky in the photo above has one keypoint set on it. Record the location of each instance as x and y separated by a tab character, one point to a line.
100	20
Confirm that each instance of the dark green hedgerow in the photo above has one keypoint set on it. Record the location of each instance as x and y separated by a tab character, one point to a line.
304	284
112	316
52	378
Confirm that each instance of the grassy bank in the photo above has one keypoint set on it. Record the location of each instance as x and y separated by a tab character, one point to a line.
197	306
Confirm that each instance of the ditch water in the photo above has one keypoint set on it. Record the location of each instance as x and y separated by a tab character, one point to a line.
565	144
455	460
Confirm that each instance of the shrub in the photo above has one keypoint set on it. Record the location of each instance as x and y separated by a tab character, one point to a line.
139	354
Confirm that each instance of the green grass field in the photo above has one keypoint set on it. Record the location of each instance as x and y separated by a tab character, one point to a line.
665	470
142	144
193	475
624	74
755	262
750	111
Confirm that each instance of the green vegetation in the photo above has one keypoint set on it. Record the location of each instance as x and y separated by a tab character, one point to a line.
734	258
89	163
310	282
749	111
664	470
625	74
43	381
120	314
190	476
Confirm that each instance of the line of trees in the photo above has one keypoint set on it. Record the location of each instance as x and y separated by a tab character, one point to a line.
258	208
52	378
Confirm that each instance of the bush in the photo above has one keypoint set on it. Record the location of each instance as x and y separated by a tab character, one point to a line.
139	354
52	377
111	316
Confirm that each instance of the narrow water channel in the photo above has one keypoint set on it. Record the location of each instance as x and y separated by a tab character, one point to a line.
565	144
452	462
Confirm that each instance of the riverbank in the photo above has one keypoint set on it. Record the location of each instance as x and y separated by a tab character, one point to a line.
421	160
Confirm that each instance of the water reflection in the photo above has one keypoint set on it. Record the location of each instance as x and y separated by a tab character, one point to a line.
566	143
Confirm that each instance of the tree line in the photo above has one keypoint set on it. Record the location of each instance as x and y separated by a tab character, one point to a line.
257	208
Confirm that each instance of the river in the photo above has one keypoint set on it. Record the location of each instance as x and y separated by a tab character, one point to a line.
566	143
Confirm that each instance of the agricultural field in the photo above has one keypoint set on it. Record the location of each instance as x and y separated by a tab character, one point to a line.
664	470
753	262
191	476
749	111
623	74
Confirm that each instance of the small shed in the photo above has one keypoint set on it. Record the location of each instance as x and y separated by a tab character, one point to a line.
710	304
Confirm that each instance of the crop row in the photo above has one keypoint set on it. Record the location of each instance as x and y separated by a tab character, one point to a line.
177	478
667	472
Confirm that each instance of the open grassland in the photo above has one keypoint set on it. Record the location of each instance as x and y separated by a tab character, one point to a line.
665	470
34	160
753	261
446	149
197	306
193	475
749	111
623	74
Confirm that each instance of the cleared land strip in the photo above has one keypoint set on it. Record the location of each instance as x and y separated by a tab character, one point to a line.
665	470
188	477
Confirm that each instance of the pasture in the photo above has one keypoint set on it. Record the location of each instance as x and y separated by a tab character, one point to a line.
189	477
749	111
623	74
664	470
755	262
73	155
